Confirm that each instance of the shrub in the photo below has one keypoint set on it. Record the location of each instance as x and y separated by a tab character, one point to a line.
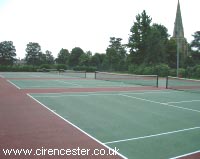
85	68
61	66
162	70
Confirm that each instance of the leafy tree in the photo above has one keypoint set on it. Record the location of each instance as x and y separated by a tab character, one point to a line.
7	53
112	58
195	48
156	43
63	57
171	53
137	40
49	59
116	54
196	42
84	59
97	60
34	54
74	56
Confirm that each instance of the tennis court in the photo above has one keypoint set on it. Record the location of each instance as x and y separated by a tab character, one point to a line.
145	124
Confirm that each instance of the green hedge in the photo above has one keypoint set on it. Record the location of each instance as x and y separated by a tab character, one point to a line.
85	68
18	68
161	70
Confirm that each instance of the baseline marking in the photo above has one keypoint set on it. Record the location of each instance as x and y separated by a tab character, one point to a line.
76	127
95	94
166	104
69	83
14	84
188	154
150	136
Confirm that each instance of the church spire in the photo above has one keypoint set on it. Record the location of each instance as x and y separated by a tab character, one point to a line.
178	25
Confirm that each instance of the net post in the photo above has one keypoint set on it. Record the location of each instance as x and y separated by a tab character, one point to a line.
157	81
95	75
167	78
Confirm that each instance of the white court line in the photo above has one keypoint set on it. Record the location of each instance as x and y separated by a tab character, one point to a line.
169	105
14	84
190	101
35	76
188	154
69	83
53	111
139	91
150	136
95	94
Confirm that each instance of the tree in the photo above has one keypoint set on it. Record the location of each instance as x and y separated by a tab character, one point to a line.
7	53
156	42
171	53
74	56
63	57
196	42
49	59
116	54
137	40
34	54
84	59
97	60
195	48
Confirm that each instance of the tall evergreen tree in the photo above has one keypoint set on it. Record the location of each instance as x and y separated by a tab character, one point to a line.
137	40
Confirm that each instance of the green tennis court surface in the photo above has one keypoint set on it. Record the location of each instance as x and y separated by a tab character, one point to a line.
39	75
27	84
142	125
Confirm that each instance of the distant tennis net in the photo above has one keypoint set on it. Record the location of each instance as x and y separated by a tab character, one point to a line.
72	73
62	72
183	84
144	80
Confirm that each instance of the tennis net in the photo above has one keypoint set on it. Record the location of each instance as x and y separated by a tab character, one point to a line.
62	72
144	80
72	73
183	84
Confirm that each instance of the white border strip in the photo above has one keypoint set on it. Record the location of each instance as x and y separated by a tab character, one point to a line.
150	136
13	84
77	127
188	154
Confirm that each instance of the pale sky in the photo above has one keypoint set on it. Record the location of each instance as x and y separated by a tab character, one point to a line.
88	24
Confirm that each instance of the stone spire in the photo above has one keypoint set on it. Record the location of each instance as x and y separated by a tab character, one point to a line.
178	34
178	25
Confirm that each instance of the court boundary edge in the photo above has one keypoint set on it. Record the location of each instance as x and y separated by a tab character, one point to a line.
76	127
